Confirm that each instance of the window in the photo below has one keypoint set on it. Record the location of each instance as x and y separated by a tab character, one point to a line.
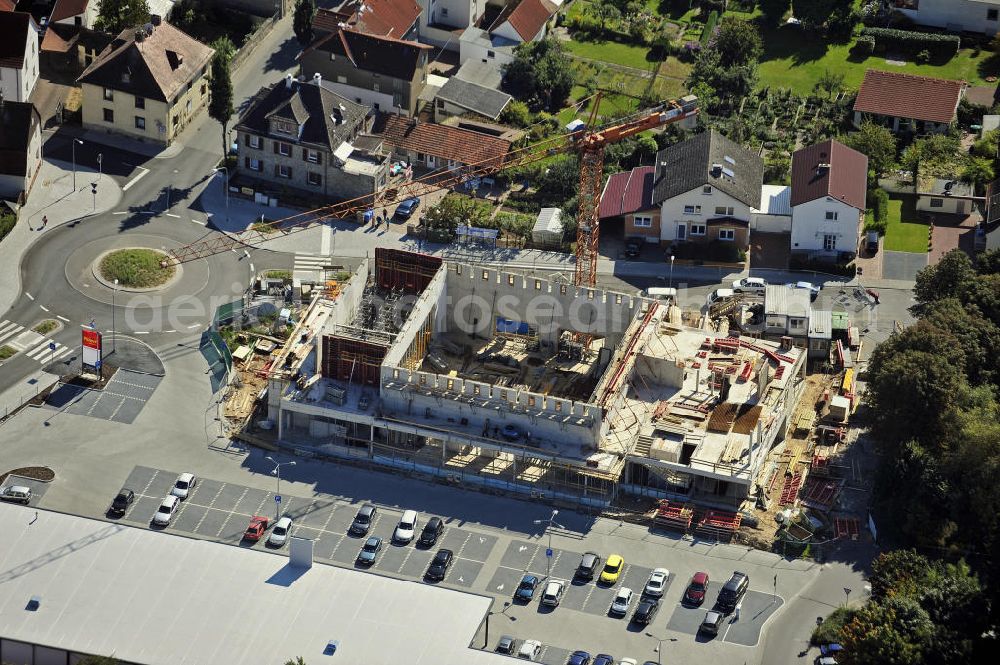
444	12
724	210
692	210
253	164
109	115
140	102
333	56
696	229
642	222
282	148
491	54
253	141
796	323
831	216
341	79
140	123
727	234
109	95
510	280
991	14
937	203
78	21
707	189
376	87
310	155
187	106
282	171
315	179
829	242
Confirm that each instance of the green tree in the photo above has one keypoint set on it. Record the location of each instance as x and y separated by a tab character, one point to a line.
774	11
928	154
952	276
302	21
298	660
738	42
829	82
113	16
978	171
818	13
451	211
220	106
540	71
559	181
604	11
516	113
893	632
877	143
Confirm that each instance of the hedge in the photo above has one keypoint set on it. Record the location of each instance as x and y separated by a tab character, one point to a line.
709	30
914	42
7	223
864	45
879	201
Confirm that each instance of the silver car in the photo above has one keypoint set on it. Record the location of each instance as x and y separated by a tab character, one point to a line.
622	601
16	494
553	593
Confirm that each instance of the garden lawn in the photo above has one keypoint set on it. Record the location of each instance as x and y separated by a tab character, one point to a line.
905	232
793	60
613	52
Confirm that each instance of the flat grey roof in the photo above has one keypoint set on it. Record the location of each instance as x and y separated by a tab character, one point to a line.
472	96
150	597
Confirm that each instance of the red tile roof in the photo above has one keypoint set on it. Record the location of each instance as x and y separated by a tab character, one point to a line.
14	30
441	141
627	192
845	179
909	96
529	17
385	18
64	9
7	5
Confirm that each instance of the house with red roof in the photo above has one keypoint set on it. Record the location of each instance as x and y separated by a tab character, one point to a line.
78	13
829	188
18	55
908	103
629	195
520	22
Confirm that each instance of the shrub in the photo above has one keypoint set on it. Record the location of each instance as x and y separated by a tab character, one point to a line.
865	45
936	44
706	34
829	631
516	113
710	7
923	57
878	199
7	223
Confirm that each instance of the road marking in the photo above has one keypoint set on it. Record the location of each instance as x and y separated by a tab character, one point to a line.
195	325
156	472
121	212
337	546
405	559
30	297
169	331
9	329
225	522
44	308
330	517
195	221
62	318
211	506
141	332
170	214
136	179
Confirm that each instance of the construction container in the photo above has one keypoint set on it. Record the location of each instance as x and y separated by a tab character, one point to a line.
840	408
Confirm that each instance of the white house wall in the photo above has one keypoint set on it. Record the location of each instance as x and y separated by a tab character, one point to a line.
809	225
949	205
672	210
771	223
362	96
474	51
456	13
17	84
956	15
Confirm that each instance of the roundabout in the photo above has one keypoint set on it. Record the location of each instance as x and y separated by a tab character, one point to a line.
136	269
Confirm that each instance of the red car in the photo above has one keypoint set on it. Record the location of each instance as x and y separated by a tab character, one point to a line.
695	593
255	531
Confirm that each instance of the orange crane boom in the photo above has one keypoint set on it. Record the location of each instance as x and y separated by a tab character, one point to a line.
589	142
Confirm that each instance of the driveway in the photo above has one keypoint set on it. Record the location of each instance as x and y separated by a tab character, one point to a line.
769	250
902	265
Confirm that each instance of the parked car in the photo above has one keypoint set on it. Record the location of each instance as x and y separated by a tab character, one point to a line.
432	531
589	563
530	650
578	658
633	247
256	529
122	501
185	483
733	591
363	520
646	610
711	623
369	551
825	660
526	589
750	285
657	583
604	659
506	645
167	508
406	209
440	564
622	601
279	534
719	294
553	593
16	494
628	661
871	242
808	286
407	525
612	569
696	589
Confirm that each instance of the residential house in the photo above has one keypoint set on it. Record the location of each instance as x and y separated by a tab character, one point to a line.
300	135
433	146
78	13
829	188
707	188
18	55
952	15
945	197
787	311
820	333
908	103
519	23
458	97
442	22
398	19
629	195
383	73
7	5
147	84
20	148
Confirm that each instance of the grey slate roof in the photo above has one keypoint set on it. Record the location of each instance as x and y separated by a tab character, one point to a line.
688	164
481	73
314	106
474	97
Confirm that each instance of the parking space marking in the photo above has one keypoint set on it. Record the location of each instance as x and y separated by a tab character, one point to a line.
337	547
150	482
405	559
211	506
464	543
225	522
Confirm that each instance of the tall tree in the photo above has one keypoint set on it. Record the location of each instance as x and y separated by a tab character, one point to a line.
220	107
817	13
738	42
949	277
540	71
875	141
113	16
302	21
774	11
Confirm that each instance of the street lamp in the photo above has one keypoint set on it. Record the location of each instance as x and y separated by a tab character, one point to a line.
277	472
671	271
100	167
486	637
114	293
225	170
548	527
659	645
847	593
75	141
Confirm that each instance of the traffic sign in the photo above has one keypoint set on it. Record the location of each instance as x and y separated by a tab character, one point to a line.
52	346
548	551
277	498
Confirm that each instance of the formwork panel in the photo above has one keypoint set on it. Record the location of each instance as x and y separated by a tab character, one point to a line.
410	272
352	360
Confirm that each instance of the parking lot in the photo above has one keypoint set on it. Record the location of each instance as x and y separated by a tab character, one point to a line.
37	487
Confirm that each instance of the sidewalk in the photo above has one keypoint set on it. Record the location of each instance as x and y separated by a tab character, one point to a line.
52	197
151	150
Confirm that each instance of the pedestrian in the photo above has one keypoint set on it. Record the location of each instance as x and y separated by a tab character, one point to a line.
45	220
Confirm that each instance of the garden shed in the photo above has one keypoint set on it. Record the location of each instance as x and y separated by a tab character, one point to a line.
548	229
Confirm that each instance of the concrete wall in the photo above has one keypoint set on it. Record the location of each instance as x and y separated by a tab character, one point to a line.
809	225
469	50
944	204
956	15
422	307
771	223
672	212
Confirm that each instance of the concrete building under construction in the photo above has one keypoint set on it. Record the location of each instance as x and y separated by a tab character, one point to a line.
483	377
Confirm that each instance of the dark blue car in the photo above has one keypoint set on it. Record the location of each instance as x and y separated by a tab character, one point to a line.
579	658
406	209
603	659
526	589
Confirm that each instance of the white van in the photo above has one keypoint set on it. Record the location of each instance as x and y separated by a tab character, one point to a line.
719	294
661	293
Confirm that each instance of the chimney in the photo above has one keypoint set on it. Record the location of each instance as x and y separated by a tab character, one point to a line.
786	343
155	19
716	170
318	79
288	81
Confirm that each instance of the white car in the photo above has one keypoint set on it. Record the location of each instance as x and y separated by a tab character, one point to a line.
553	593
750	285
167	508
185	483
622	601
530	650
628	661
279	534
407	525
657	582
808	286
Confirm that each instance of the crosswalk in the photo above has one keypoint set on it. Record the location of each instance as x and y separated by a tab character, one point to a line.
37	347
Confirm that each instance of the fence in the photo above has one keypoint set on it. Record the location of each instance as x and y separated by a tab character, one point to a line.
254	40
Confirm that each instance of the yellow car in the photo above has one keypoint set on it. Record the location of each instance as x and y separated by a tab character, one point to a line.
612	569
